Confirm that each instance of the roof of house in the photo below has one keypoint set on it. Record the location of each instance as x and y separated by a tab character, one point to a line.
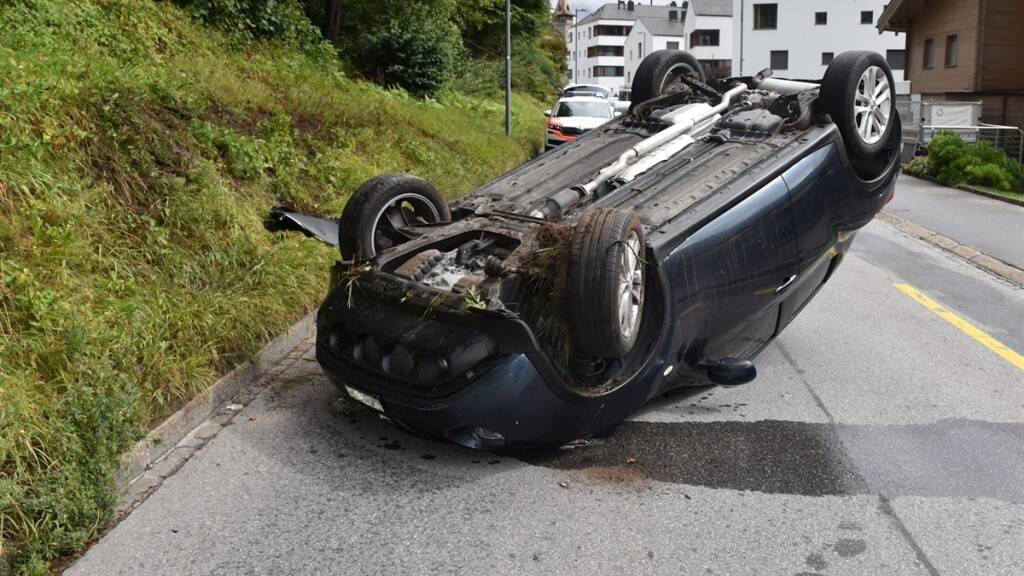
562	9
611	11
655	18
895	16
663	26
711	7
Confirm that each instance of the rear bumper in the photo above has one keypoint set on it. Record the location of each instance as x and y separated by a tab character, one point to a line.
507	386
510	401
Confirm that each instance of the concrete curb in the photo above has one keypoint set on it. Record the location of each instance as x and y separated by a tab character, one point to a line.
988	194
165	437
993	266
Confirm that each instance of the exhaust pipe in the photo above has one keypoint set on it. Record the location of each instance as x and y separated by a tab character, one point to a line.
681	122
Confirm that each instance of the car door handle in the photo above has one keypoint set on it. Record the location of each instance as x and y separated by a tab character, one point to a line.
782	287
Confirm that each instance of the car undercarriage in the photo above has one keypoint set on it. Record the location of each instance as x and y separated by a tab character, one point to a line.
663	249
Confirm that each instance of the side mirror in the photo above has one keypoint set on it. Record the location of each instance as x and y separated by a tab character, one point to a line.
732	372
547	113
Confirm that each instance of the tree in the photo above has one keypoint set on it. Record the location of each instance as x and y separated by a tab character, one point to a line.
332	20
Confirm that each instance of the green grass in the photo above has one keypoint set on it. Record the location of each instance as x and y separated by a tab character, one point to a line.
1011	195
138	154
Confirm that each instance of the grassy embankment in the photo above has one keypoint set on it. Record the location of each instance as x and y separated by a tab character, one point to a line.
138	153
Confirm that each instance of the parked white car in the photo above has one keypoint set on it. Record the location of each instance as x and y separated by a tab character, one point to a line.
575	115
619	102
588	90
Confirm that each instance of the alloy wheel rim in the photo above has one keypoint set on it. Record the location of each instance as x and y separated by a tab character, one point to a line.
405	210
672	81
872	105
631	286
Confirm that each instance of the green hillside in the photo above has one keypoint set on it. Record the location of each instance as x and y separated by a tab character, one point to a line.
139	151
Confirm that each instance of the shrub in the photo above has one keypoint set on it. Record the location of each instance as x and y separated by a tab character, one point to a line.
917	167
532	72
953	161
282	19
418	58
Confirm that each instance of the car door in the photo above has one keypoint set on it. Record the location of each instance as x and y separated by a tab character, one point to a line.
736	271
814	188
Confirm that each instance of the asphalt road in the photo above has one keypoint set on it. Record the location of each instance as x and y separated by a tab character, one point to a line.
879	438
992	226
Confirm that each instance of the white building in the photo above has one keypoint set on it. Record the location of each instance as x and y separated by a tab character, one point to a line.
706	33
600	44
709	30
798	38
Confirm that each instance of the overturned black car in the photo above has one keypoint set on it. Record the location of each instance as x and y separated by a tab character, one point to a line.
666	248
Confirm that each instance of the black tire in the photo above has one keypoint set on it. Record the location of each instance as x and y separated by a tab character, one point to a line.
839	92
362	234
656	68
596	253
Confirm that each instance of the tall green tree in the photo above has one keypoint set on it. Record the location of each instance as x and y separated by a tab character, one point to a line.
413	45
482	23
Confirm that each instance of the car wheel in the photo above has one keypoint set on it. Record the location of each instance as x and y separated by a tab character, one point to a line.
606	283
660	72
381	208
857	92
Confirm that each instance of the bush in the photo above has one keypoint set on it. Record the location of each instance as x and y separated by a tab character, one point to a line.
953	161
255	18
532	72
917	167
417	58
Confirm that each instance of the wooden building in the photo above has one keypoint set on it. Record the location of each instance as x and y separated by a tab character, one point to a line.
966	50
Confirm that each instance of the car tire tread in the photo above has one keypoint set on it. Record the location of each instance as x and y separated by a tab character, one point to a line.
593	267
652	70
366	202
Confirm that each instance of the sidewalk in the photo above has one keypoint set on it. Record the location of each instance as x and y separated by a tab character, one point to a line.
993	227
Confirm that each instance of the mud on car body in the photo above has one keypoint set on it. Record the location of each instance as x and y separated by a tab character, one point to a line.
665	248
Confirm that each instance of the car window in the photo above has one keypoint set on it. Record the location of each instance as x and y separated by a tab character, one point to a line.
597	109
587	91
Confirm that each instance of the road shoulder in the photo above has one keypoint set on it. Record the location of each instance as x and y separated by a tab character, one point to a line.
971	254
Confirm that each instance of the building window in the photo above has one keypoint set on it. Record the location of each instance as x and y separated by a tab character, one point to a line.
951	46
826	58
780	60
605	30
568	74
593	51
897	59
704	38
820	18
867	17
606	71
928	56
672	45
640	50
766	16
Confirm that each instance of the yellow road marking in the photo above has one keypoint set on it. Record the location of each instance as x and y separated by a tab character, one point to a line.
966	327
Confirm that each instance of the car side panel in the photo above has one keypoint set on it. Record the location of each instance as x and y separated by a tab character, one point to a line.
725	276
826	209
